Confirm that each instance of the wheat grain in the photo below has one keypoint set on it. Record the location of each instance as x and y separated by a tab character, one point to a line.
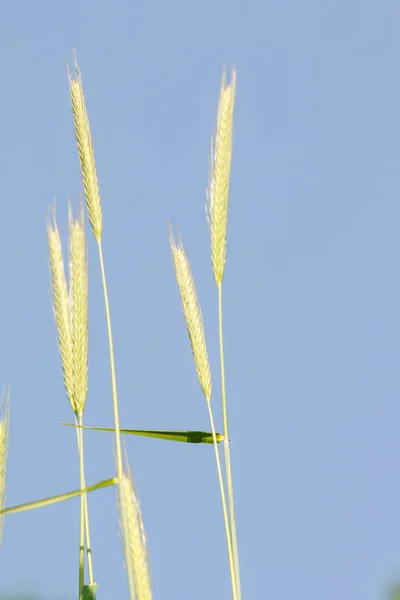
86	152
192	313
218	192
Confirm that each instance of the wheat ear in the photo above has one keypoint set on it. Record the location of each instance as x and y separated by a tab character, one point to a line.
192	313
4	437
134	539
79	307
218	191
86	152
61	307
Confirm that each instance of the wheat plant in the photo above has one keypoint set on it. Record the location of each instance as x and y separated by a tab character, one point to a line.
69	293
218	196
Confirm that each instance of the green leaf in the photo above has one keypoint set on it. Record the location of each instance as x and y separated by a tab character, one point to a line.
59	498
89	591
191	437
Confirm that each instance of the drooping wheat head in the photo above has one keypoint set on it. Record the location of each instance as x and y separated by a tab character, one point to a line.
134	539
4	436
86	152
220	166
61	307
79	307
192	313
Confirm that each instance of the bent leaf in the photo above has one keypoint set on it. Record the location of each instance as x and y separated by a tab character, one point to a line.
190	437
59	498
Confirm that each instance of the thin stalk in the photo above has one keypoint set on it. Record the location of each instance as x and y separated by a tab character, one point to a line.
227	453
84	496
224	508
118	451
82	522
88	543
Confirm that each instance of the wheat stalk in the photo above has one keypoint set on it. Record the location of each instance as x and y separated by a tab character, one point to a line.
218	195
192	313
93	203
218	192
71	315
195	328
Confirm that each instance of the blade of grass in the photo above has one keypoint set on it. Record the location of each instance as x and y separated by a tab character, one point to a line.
190	437
59	498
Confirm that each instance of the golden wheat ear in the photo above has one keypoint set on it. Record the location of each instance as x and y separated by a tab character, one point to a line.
192	313
134	538
4	438
220	167
86	152
79	307
61	306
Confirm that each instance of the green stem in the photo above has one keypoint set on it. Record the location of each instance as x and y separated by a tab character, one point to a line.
227	454
81	520
88	543
224	507
84	496
118	451
228	467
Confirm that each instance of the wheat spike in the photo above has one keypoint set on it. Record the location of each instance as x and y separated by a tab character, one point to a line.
218	191
79	307
136	556
4	437
61	307
86	152
192	313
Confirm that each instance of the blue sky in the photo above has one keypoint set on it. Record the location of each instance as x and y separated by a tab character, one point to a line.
312	290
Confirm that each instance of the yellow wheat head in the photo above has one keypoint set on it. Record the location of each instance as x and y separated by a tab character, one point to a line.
218	191
86	152
4	436
70	306
192	313
79	307
61	306
135	548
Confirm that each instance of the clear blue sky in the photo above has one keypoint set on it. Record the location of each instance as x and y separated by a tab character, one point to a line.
312	294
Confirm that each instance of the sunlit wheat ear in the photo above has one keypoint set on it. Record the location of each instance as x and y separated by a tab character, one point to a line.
86	152
192	313
4	433
136	555
218	191
79	307
61	306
